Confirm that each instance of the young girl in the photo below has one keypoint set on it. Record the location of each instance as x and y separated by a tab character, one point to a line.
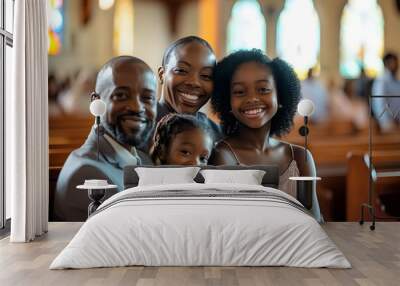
256	98
181	139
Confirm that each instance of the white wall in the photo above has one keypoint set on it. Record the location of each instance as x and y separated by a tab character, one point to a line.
188	20
151	33
392	25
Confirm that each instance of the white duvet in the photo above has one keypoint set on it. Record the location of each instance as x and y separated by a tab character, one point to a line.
267	229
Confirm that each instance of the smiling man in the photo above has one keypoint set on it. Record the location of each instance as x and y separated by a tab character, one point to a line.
128	87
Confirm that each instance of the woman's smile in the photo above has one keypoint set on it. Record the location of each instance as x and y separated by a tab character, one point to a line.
190	98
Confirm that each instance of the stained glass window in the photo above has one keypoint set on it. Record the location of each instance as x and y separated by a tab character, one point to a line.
56	26
361	38
247	28
298	35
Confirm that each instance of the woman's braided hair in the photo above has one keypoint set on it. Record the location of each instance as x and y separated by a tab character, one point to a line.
168	127
286	82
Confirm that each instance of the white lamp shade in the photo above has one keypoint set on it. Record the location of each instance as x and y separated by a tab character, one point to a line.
97	107
305	107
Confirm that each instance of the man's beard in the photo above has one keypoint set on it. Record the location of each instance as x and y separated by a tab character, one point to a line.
138	140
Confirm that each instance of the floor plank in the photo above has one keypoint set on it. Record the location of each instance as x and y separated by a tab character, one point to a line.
374	255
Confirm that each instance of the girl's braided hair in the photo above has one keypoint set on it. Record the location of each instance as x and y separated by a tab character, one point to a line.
168	127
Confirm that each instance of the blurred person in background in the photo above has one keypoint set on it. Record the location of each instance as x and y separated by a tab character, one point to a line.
387	110
312	88
76	100
53	92
363	85
346	105
359	106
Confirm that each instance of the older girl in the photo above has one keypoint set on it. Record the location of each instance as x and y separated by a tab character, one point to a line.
256	99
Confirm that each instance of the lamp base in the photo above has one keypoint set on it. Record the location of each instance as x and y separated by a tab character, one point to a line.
305	187
371	210
95	196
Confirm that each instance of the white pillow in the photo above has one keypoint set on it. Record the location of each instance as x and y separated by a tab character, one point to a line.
164	176
248	177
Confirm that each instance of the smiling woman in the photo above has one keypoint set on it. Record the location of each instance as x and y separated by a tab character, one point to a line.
186	79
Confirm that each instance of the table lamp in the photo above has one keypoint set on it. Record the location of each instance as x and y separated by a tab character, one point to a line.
96	188
305	108
97	108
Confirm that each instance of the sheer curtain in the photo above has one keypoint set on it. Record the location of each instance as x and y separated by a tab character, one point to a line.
27	123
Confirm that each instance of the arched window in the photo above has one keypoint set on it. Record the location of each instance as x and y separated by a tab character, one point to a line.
247	28
361	38
123	27
56	26
298	35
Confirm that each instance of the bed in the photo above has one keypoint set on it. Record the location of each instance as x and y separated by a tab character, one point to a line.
201	224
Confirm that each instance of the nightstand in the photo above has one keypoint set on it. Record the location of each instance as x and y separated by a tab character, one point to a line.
96	193
305	186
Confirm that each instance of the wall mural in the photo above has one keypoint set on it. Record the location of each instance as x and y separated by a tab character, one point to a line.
255	98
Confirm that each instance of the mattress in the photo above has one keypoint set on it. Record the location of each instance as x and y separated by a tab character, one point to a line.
201	225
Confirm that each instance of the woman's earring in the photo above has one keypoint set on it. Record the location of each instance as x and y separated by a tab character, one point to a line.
280	106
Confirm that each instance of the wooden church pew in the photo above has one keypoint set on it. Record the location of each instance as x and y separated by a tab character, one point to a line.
70	122
330	155
357	180
57	157
53	176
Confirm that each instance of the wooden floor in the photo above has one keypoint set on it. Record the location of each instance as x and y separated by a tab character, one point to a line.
374	255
